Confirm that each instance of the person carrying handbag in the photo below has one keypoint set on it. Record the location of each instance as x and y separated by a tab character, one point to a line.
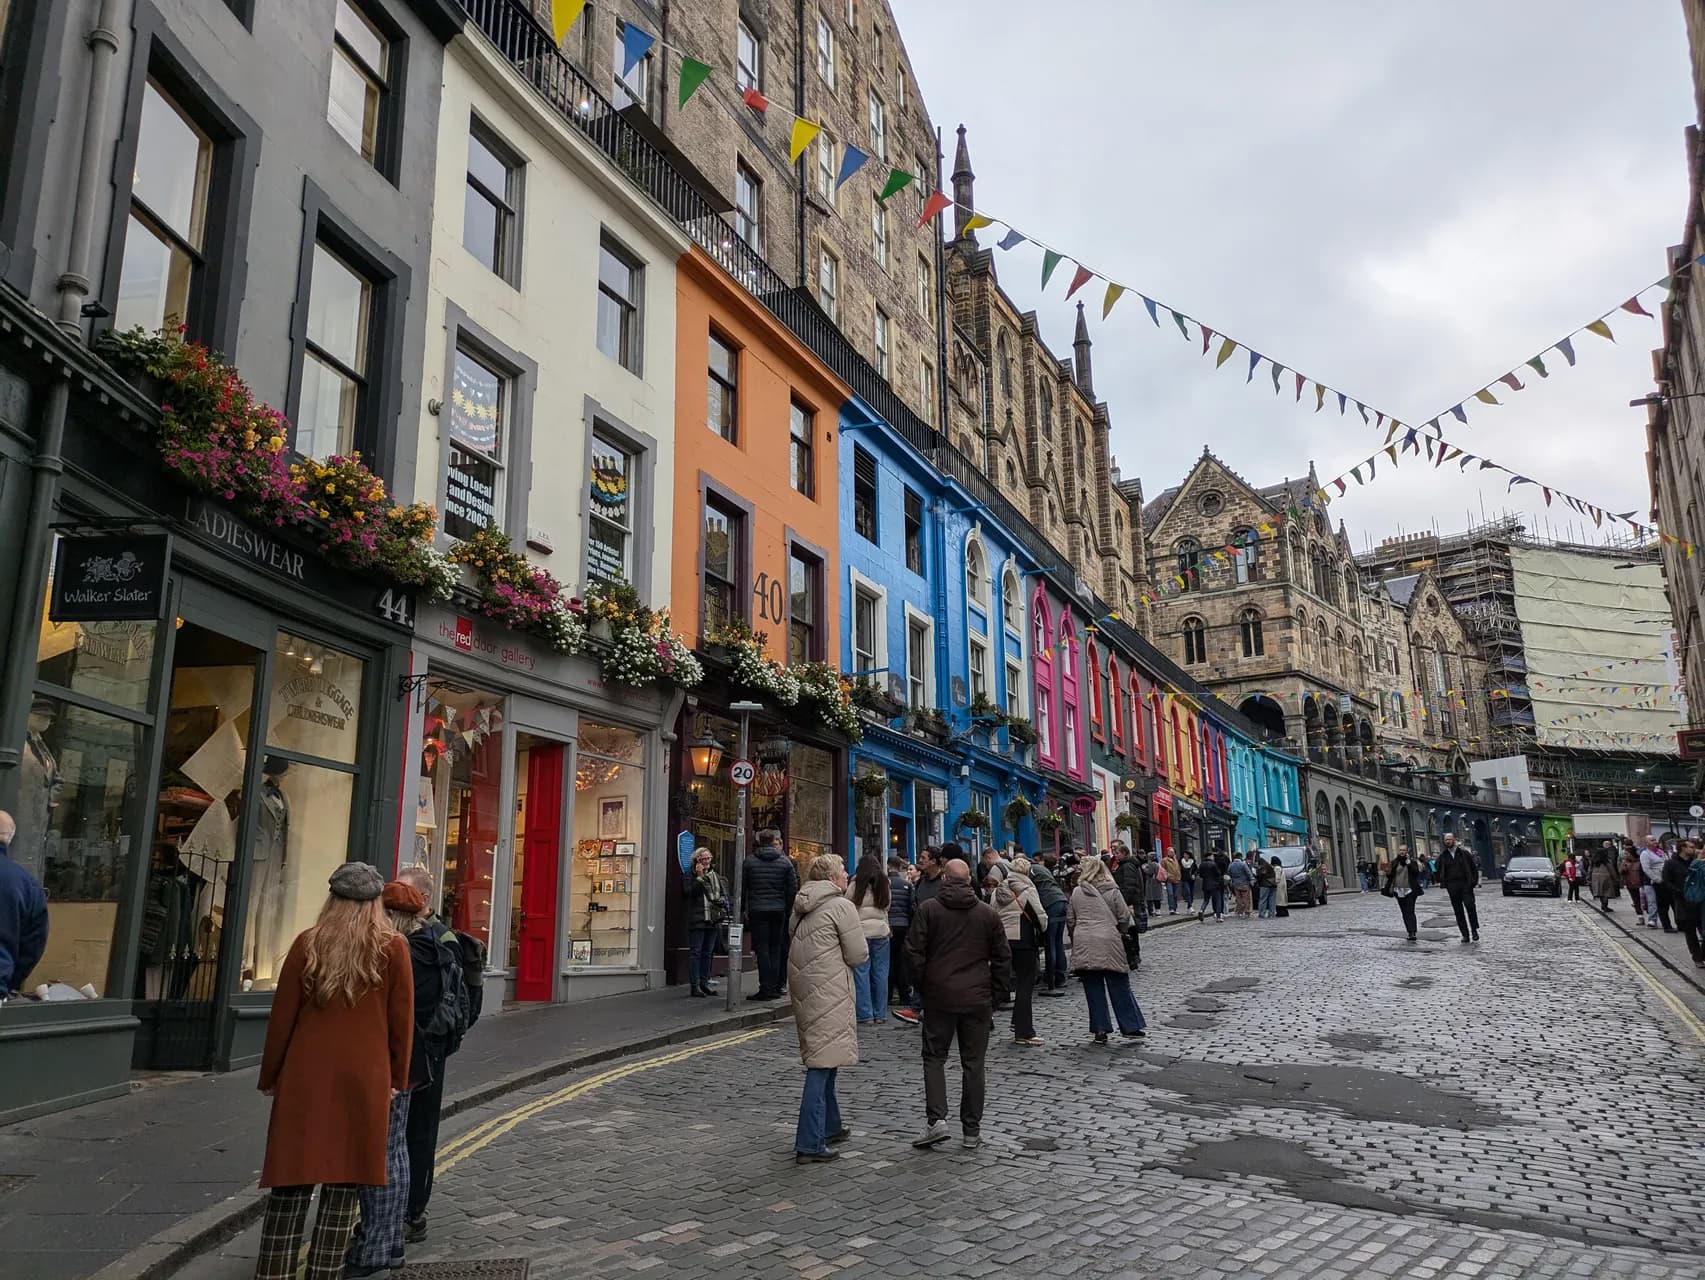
1026	924
1096	918
707	910
1403	882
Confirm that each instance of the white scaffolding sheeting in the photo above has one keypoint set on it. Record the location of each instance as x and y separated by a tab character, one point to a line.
1597	634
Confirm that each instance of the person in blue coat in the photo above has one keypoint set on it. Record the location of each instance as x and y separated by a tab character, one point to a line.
23	915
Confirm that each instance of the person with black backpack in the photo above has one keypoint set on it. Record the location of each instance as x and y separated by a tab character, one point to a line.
452	965
1684	878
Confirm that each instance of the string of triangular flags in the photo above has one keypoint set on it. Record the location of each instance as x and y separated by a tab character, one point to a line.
1187	578
1439	451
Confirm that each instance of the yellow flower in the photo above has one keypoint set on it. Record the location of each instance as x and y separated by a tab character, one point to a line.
331	487
360	515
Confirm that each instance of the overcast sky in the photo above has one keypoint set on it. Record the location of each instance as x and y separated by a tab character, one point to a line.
1403	200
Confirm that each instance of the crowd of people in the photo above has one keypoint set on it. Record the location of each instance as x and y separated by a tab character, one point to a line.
1665	888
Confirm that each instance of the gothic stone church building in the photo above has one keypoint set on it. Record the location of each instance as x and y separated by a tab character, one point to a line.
1285	628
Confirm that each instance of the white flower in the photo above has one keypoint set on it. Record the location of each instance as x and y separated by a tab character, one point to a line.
442	575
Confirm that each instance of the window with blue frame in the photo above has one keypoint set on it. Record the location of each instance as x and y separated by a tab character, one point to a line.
864	495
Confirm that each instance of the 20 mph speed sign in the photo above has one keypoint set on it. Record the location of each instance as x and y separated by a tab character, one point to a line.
741	773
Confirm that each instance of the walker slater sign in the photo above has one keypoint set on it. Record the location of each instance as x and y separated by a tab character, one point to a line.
110	578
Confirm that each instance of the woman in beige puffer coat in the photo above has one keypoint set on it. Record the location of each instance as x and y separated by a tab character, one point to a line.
827	944
1096	918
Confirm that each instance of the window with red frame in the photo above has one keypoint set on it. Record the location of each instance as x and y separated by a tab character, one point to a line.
1138	714
1115	705
1095	722
1158	723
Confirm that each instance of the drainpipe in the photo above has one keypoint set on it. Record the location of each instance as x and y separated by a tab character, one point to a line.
800	277
47	464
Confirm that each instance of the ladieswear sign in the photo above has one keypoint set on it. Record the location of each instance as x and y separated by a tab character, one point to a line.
110	578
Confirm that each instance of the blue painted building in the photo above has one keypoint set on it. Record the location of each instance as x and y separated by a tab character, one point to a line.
1244	782
1279	778
933	615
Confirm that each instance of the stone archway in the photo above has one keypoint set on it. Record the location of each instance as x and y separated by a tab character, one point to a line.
1360	829
1341	837
1265	712
1381	836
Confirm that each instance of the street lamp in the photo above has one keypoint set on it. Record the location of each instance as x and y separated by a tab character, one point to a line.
705	755
736	933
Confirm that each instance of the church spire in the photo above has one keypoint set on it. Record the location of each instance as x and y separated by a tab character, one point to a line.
1085	374
963	182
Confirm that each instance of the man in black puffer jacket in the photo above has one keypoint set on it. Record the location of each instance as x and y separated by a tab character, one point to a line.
769	882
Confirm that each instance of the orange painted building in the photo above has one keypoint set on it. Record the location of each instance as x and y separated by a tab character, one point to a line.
756	532
756	414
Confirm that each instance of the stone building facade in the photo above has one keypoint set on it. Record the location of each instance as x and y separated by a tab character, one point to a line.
873	270
1031	420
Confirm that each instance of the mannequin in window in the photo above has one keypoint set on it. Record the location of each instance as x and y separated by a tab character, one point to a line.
40	787
271	847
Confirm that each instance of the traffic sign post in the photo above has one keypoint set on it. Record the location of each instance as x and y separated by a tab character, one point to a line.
741	773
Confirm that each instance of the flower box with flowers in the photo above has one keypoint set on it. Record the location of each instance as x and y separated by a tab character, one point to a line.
221	441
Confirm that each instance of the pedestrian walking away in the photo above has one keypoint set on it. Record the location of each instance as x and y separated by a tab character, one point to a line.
826	944
338	1046
769	882
1154	883
1187	877
964	967
459	958
1097	918
900	877
1634	880
1658	897
23	915
926	886
1214	869
1171	876
1403	882
1053	896
377	1242
1026	923
1604	877
1266	887
1241	877
871	894
1281	889
707	912
1459	874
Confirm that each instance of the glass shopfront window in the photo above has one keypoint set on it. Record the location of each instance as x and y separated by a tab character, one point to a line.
794	793
810	825
302	819
609	837
458	802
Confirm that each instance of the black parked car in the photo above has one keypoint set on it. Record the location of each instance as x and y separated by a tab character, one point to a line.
1305	879
1532	874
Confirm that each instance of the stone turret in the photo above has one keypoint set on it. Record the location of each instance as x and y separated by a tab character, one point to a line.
1085	373
964	182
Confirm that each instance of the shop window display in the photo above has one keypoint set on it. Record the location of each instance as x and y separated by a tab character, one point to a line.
794	793
609	807
459	802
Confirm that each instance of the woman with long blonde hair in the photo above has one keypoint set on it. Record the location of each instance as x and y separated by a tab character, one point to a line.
337	1052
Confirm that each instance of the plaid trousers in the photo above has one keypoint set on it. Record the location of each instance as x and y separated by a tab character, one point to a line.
379	1236
281	1232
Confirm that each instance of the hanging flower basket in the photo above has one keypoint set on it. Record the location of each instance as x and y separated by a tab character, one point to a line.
1020	732
870	785
1127	822
1016	811
1050	821
972	820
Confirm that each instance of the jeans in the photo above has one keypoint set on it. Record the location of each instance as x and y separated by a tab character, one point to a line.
1101	984
701	946
1213	900
1171	897
1024	984
1406	905
940	1028
769	935
1574	891
870	983
1056	946
1467	918
899	968
819	1111
1189	887
1365	879
1268	894
425	1103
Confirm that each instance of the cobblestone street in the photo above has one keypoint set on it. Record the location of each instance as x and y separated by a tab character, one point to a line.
1316	1097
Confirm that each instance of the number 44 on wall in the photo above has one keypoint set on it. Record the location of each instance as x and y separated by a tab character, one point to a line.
396	606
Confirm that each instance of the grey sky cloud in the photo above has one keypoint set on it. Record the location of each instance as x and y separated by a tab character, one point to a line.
1401	200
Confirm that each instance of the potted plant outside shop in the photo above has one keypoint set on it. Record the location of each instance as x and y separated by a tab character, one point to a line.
1016	811
972	820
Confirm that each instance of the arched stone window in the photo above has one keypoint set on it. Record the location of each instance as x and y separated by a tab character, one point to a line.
1250	631
1195	641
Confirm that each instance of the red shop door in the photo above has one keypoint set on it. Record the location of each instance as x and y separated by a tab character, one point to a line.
535	949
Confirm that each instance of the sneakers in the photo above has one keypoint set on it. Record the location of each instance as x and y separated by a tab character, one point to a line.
1477	935
910	1017
1413	938
815	1157
1029	1042
1135	1035
1100	1037
935	1133
414	1230
972	1141
709	990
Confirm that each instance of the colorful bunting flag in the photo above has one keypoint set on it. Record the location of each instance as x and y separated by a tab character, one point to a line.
1485	396
1458	413
693	74
1301	383
1082	276
752	98
1277	370
1114	293
1602	329
1319	397
933	207
852	160
1011	240
1050	260
1254	360
898	181
1183	330
1227	346
1633	305
1154	315
564	14
636	43
803	132
1511	381
1568	349
976	222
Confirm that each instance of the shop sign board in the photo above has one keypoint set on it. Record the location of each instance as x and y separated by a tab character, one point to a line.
265	550
114	577
1082	805
684	850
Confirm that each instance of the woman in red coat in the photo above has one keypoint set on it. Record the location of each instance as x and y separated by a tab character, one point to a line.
337	1051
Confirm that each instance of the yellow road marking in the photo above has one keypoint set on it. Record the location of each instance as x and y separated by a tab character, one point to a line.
1681	1011
483	1135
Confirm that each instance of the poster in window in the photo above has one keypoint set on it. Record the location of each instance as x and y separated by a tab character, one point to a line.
470	493
613	818
581	951
476	395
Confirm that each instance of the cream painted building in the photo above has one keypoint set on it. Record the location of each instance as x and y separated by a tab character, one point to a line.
539	791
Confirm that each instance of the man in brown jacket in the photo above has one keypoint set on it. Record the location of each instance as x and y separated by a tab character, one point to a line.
958	950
